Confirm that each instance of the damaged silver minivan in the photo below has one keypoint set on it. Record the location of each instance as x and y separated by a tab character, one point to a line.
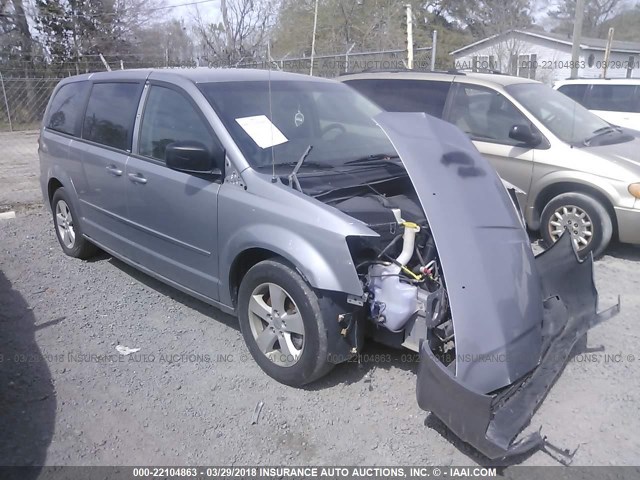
296	204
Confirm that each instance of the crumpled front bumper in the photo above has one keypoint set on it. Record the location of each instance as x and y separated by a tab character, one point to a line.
491	422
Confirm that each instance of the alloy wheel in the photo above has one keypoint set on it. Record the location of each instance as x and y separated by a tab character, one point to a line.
276	324
64	222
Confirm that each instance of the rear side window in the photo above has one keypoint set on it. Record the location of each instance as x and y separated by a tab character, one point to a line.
66	108
170	117
614	98
405	95
575	92
111	113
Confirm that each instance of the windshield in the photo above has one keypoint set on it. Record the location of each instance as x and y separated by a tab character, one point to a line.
330	117
565	118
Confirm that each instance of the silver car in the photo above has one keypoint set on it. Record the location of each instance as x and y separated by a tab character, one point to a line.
298	205
574	169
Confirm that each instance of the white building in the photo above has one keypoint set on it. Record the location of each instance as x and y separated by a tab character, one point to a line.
547	56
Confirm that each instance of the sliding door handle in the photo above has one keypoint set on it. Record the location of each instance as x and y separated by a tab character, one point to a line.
113	170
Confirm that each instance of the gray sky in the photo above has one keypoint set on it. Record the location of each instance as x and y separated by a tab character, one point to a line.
209	10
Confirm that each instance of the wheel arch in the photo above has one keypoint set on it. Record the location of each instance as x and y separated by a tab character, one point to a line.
57	178
242	263
558	188
52	185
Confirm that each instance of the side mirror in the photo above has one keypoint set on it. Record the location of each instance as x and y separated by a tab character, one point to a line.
524	134
190	157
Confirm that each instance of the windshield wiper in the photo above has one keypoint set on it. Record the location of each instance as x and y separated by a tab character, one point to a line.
293	176
599	132
374	158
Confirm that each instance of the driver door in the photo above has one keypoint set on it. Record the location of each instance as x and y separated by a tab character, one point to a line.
174	214
487	117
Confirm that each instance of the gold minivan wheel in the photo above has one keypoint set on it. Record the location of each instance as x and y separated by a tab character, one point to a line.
576	221
583	216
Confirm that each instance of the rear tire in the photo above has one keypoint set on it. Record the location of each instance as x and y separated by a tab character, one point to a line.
586	219
66	222
282	324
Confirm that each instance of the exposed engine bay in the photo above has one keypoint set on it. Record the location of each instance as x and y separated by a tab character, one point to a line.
405	291
404	286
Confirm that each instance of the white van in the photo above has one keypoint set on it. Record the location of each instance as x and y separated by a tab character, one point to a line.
615	100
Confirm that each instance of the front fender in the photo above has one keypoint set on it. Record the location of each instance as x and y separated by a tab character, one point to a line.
309	234
604	187
336	273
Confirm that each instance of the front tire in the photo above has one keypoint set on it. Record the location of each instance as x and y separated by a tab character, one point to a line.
282	325
586	219
68	229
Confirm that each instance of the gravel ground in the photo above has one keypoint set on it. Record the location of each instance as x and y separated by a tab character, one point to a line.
187	397
19	169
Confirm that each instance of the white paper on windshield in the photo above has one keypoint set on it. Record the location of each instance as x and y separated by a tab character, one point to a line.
262	131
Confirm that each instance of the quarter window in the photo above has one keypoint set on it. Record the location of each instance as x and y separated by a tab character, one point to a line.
66	108
169	117
111	113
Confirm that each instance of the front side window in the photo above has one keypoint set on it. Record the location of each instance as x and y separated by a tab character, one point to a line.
566	119
277	125
170	117
66	108
405	95
484	114
614	98
111	112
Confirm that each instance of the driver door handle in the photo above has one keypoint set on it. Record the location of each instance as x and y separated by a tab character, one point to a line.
113	170
137	178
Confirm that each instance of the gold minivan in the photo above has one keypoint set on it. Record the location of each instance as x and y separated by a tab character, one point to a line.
575	170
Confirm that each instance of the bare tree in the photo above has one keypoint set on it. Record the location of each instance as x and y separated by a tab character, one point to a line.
240	35
597	12
14	26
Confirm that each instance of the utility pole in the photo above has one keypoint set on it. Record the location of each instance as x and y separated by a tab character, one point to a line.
409	38
434	42
346	58
577	33
607	53
313	39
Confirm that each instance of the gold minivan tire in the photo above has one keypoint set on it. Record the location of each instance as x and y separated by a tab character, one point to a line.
583	216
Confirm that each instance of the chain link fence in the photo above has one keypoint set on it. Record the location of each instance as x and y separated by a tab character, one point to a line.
334	65
24	93
25	89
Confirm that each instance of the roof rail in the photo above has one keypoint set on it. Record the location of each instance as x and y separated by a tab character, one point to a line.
480	70
409	70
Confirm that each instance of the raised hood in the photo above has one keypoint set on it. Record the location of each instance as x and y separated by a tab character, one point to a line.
488	266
